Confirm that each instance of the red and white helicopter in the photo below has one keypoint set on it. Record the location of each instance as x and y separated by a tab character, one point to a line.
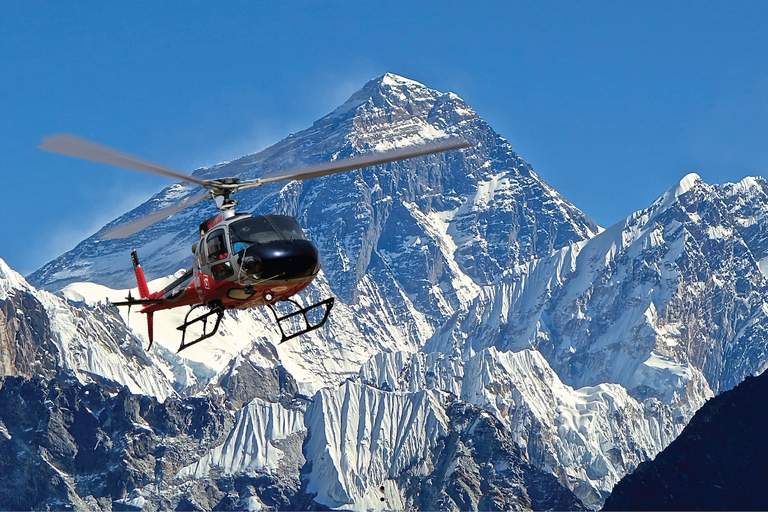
241	261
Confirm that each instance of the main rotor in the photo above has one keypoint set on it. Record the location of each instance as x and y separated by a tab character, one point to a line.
222	189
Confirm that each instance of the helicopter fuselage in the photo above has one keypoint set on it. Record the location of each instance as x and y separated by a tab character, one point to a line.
242	261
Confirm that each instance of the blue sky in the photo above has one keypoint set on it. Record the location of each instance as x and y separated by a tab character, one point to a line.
610	102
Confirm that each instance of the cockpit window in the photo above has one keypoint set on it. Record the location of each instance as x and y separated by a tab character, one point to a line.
263	229
287	226
217	246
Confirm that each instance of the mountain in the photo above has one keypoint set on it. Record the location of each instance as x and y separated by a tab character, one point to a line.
669	305
88	423
495	209
677	288
72	437
717	462
491	347
588	437
402	245
47	336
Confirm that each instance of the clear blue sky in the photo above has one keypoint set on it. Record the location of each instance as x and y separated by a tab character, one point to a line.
610	102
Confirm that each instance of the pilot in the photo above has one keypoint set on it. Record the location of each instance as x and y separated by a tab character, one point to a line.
239	246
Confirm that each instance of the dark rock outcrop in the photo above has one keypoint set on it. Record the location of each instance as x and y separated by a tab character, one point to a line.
64	445
719	462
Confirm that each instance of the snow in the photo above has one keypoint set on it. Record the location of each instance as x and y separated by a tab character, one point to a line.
10	280
747	185
437	224
252	503
763	266
345	108
663	374
486	190
361	437
83	353
87	344
253	442
579	427
394	80
688	182
421	133
195	364
719	232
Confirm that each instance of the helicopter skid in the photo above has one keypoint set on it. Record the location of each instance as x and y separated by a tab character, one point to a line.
203	318
303	316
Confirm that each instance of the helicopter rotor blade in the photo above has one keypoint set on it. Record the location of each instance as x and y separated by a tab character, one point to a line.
71	145
126	229
349	164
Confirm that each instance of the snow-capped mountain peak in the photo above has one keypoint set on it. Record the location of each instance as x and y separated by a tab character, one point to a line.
47	335
10	280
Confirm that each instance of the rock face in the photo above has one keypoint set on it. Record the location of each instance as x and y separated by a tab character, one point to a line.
66	445
480	467
491	346
717	462
45	335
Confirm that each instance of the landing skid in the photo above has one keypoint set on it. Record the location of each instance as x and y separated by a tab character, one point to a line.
284	321
215	310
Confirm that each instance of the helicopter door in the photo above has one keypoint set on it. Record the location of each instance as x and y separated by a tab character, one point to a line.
217	251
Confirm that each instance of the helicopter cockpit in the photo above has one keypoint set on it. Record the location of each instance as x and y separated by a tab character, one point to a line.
250	246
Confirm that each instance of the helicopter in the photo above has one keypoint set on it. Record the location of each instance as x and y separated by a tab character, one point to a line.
241	260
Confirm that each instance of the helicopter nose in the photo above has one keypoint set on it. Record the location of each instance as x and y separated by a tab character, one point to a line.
282	260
